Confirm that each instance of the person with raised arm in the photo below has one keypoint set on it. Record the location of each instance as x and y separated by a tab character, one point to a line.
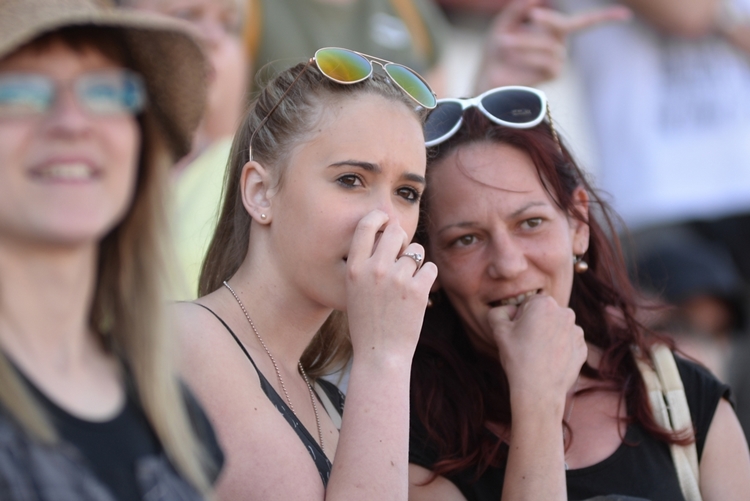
313	246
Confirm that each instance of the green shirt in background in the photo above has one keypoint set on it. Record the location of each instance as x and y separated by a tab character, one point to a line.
292	30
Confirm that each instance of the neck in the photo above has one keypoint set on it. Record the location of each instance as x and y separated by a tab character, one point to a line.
285	318
45	298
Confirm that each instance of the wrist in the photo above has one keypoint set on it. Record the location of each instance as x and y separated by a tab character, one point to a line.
526	404
381	362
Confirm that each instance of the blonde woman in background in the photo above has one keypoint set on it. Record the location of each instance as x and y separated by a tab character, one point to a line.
218	26
94	107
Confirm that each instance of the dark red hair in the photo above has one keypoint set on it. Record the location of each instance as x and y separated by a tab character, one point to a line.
456	389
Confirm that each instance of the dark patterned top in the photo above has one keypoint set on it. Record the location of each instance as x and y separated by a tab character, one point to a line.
120	459
337	398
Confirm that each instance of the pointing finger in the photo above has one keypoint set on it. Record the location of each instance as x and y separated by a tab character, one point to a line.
563	24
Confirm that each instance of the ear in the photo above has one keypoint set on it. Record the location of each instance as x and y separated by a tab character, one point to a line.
255	183
580	229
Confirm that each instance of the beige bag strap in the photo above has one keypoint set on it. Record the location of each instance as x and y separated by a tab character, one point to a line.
669	405
331	409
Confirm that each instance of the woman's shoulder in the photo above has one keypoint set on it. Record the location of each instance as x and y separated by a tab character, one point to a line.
703	391
202	329
195	315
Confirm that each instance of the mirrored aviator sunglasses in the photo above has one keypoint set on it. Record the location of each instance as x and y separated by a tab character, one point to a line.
513	106
346	66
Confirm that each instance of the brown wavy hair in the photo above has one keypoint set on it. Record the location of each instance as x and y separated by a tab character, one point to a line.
456	389
293	103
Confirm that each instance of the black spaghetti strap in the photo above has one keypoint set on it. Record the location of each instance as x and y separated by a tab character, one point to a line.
239	343
322	462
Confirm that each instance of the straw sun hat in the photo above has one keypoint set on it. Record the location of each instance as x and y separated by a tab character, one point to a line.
162	51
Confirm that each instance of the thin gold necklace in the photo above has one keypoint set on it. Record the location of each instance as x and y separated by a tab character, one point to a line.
278	372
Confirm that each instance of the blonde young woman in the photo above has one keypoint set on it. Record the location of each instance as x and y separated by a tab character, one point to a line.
94	107
316	221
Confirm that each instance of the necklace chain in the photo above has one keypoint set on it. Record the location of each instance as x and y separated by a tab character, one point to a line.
278	372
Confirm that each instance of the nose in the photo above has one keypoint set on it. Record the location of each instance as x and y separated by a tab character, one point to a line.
506	258
67	117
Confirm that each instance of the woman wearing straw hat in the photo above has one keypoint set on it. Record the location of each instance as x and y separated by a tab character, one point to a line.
94	106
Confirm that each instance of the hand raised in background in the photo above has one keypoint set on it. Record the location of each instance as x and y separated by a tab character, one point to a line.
526	42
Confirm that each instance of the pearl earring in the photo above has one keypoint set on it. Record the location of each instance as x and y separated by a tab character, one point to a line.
579	265
263	217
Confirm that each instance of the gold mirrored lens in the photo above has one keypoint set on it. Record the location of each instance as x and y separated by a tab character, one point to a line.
343	66
412	84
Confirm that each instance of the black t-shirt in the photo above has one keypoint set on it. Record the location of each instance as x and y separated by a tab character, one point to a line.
640	469
111	449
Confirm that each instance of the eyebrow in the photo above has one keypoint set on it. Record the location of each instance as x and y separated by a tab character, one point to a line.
464	224
375	168
527	207
515	214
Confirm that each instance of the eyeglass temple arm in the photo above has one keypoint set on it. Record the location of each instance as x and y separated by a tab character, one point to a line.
268	115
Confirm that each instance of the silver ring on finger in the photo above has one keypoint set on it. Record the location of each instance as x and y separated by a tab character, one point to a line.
416	256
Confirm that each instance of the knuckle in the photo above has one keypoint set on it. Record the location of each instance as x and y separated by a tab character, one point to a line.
379	272
415	247
353	271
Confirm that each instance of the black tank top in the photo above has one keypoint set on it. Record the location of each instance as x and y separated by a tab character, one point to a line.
641	469
337	398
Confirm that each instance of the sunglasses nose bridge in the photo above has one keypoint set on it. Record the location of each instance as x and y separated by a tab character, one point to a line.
379	63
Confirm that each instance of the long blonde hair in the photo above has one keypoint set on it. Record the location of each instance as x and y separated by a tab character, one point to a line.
299	95
129	308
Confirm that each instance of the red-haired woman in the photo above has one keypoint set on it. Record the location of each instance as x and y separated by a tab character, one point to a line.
497	377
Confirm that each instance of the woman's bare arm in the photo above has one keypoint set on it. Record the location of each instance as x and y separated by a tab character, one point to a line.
725	464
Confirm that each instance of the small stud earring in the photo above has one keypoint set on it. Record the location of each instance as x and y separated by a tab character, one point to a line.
263	217
579	265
